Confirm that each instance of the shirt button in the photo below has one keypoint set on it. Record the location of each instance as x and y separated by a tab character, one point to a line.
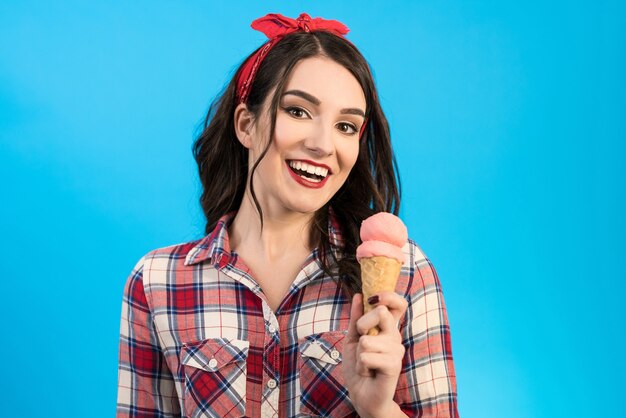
212	363
272	329
271	383
334	354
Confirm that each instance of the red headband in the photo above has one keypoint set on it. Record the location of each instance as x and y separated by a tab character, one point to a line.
275	26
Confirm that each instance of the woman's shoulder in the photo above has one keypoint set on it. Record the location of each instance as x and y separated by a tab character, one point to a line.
413	253
418	272
161	264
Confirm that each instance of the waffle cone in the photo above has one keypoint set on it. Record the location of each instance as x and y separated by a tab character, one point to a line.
378	274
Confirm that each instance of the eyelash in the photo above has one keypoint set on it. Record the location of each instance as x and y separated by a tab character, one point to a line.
354	128
292	108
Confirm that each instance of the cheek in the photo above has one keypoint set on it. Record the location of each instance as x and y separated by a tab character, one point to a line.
349	154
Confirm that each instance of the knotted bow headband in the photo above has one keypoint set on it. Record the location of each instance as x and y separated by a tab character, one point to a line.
275	26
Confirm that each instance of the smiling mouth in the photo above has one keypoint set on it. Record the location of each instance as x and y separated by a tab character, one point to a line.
308	172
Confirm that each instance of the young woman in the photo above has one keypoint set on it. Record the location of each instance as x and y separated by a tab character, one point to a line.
264	315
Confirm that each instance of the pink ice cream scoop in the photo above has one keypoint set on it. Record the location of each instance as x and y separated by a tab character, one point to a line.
383	234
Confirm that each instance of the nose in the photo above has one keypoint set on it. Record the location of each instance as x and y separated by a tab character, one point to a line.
320	143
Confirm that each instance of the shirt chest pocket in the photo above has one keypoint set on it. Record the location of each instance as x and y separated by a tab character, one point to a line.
322	390
215	377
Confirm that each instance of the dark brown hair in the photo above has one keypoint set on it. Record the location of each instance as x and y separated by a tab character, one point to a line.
372	186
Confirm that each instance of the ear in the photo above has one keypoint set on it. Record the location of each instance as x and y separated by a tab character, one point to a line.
244	125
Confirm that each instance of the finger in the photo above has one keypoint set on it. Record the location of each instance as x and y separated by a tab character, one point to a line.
361	369
373	319
387	324
377	344
356	312
385	363
396	304
369	320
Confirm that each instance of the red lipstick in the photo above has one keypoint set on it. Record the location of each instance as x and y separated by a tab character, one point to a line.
305	182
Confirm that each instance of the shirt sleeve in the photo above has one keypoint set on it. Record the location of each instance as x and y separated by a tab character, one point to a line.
427	383
145	384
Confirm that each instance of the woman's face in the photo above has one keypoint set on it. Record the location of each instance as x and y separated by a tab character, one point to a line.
316	140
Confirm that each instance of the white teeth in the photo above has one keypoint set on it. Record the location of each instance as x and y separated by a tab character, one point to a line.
299	165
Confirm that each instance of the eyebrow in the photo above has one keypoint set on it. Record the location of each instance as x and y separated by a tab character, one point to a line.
308	97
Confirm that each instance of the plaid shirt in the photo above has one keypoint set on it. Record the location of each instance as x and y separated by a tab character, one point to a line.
198	338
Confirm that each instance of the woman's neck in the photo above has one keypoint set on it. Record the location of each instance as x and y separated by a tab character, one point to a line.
283	232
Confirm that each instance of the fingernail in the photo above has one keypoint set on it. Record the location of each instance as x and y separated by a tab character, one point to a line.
373	300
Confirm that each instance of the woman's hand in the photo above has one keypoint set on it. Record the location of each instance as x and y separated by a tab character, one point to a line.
372	364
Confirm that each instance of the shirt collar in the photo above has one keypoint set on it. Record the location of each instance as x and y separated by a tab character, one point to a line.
215	246
334	230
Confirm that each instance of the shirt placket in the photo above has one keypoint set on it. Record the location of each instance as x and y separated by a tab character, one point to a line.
271	364
270	379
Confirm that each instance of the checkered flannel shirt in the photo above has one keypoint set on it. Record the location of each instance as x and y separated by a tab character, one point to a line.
198	338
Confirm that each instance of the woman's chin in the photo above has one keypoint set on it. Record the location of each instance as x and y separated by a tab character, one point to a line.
307	207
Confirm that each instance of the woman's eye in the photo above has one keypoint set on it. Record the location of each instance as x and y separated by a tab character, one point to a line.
296	112
349	126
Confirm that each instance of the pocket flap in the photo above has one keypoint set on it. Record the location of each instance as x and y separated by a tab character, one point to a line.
325	347
214	353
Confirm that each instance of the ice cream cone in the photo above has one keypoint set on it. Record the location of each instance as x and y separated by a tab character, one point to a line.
378	274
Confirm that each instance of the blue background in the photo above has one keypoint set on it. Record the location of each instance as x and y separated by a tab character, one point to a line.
508	120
